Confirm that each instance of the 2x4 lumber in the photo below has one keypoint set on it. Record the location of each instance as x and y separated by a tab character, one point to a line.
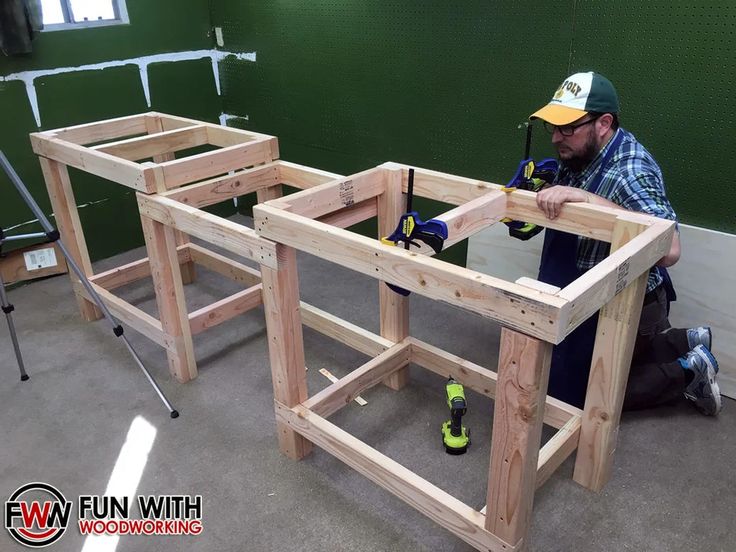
447	188
531	283
523	373
480	379
154	126
224	137
344	218
225	309
441	507
66	215
268	193
343	331
155	145
172	307
614	346
233	270
468	219
102	164
229	235
170	122
303	177
217	162
110	129
393	307
557	449
333	196
285	345
222	188
625	264
334	397
130	315
132	272
511	304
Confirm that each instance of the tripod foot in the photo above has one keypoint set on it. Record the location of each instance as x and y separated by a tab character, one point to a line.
25	377
174	413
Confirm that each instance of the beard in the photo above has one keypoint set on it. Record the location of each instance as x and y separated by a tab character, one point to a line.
576	162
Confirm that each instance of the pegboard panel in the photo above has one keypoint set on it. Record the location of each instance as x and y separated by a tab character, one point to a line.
346	85
673	65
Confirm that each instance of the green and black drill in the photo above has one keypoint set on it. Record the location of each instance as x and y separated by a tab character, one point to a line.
455	436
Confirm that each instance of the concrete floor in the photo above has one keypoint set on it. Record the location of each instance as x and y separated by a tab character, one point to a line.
673	486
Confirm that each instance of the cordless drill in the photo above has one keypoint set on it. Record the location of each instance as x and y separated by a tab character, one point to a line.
455	436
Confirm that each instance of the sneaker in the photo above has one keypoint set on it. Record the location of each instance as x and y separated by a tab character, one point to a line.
700	336
703	390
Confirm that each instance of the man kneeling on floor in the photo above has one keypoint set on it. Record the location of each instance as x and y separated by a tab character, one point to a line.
603	164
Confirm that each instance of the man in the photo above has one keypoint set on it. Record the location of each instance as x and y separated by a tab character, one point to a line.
603	164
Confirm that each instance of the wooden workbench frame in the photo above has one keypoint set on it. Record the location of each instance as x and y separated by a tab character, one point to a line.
534	317
113	150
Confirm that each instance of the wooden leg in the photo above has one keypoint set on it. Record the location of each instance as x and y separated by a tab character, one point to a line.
286	344
523	374
64	204
394	308
172	307
614	347
188	269
273	192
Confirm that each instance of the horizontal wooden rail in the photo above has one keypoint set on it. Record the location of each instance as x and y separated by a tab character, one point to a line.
225	309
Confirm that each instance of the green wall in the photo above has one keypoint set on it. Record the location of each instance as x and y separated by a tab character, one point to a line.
444	85
186	88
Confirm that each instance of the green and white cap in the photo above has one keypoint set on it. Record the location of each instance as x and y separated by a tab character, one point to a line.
576	96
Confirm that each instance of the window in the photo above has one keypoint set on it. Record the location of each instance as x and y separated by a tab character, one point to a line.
72	14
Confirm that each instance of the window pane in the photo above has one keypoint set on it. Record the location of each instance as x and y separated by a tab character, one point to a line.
92	10
52	12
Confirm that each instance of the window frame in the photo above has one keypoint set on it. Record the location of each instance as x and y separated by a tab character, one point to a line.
119	9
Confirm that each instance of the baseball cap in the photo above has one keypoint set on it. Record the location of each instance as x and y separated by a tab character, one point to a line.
576	96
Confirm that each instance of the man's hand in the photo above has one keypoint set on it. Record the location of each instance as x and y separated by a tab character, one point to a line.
550	200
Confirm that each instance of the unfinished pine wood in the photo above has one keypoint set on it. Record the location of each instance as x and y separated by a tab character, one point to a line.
222	188
330	376
132	272
557	449
229	235
232	270
333	398
523	373
285	345
302	177
223	310
172	308
110	129
480	379
348	216
509	303
601	283
343	331
130	315
217	162
333	196
155	145
441	507
13	265
66	216
614	346
154	126
102	164
269	193
394	307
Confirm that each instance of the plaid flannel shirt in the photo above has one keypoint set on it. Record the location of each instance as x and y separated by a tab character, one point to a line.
633	180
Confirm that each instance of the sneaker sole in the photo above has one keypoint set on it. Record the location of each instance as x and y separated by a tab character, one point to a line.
710	406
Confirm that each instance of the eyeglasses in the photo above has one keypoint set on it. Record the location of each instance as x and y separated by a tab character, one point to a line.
567	130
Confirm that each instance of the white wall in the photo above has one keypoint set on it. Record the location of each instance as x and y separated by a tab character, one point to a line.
705	280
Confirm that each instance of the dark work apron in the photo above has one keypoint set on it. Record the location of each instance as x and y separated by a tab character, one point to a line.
571	359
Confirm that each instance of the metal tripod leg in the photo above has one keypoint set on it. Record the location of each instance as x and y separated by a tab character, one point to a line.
53	235
7	309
